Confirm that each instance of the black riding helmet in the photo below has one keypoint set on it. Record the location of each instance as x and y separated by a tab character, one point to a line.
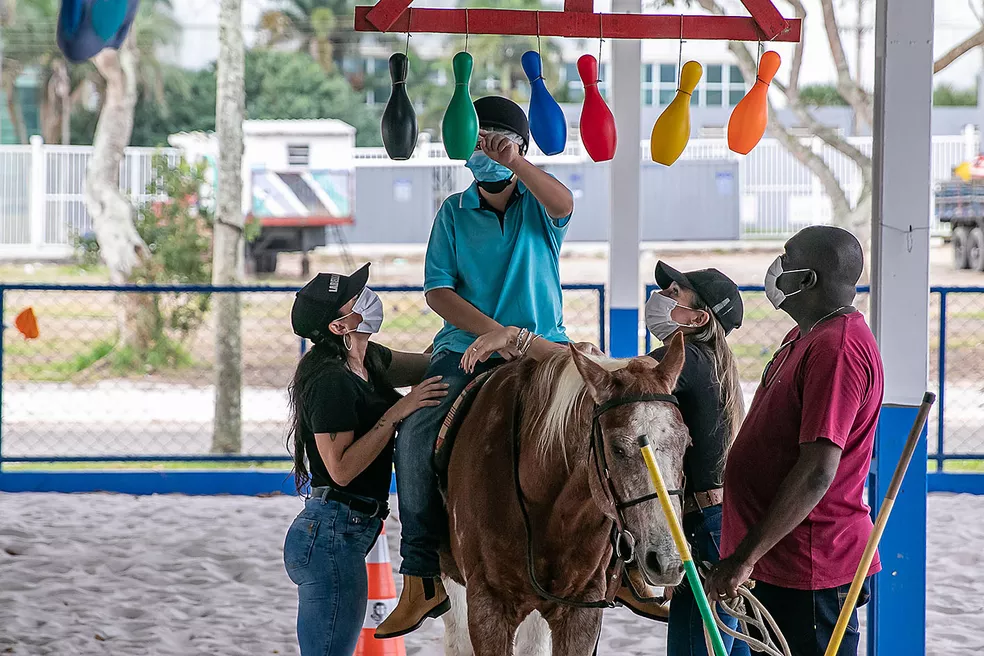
501	113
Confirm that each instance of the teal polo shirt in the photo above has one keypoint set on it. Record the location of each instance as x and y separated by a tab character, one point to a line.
509	269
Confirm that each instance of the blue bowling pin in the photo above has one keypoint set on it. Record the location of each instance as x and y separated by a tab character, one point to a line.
547	121
87	26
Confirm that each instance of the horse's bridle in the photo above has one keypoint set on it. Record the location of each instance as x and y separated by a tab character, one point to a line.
623	542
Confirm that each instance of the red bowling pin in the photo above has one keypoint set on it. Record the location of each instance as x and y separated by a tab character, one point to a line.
597	122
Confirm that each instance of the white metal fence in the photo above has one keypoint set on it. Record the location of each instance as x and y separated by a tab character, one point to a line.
42	204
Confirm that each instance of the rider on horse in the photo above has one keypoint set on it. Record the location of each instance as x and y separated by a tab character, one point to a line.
493	262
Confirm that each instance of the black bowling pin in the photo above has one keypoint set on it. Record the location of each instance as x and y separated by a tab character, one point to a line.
399	122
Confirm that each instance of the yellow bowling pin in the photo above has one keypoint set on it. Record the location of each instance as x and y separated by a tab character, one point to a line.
672	130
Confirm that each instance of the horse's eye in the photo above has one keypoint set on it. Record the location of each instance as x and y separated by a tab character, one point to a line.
619	451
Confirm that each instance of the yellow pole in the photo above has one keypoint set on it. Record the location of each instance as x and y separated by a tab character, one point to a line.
883	513
717	644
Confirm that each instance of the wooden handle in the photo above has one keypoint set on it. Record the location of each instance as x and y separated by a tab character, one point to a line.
883	513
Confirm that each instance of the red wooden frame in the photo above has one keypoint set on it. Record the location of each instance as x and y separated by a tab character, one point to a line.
577	20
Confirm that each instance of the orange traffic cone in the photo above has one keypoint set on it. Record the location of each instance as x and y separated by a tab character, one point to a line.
382	601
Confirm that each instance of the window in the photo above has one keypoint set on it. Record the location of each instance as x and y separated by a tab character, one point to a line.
648	88
298	154
724	84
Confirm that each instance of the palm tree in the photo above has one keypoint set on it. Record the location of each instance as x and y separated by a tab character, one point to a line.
312	26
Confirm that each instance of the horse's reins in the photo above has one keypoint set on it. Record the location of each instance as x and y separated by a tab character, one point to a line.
623	542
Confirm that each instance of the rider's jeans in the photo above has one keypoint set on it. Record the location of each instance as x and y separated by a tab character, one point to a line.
422	515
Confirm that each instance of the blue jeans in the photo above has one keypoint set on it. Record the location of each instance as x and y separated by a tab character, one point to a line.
325	556
685	635
422	513
807	617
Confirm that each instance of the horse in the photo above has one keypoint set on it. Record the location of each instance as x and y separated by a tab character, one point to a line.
549	498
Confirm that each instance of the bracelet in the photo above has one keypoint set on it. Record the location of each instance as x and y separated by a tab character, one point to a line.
529	343
520	337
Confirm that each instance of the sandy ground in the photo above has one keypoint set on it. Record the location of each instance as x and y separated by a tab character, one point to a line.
169	575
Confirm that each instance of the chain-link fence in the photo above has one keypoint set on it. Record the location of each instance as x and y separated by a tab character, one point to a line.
78	393
955	372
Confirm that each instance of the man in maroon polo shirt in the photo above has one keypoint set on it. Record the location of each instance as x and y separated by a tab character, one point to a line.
794	515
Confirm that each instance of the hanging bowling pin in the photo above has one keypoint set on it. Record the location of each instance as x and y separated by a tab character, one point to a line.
751	116
459	129
399	122
547	121
672	130
597	122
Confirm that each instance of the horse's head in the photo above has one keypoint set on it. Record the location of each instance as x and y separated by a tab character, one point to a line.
621	472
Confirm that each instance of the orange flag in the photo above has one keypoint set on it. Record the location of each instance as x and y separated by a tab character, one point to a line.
27	323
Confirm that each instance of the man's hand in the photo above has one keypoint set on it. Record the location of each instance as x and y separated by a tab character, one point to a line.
499	148
726	576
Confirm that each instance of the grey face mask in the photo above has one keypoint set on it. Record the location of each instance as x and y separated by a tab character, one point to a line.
775	295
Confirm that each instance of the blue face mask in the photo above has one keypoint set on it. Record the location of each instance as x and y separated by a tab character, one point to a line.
485	169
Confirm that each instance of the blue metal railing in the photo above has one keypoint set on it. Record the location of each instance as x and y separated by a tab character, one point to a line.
202	289
944	292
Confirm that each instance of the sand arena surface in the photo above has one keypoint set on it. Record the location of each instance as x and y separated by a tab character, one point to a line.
117	575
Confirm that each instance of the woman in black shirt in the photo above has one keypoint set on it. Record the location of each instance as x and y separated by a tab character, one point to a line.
705	307
344	414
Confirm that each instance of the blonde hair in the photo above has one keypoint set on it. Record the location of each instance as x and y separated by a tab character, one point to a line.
725	370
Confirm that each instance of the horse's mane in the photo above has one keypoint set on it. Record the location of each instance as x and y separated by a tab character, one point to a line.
554	396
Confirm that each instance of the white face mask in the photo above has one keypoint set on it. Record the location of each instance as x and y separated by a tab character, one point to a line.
775	295
370	306
658	319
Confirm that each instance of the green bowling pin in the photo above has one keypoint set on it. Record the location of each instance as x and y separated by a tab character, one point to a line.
459	129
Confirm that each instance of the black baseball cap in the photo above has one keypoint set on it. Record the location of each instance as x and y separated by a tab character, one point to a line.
319	302
716	290
504	114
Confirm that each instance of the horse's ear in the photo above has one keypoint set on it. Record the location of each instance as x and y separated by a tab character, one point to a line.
672	363
598	381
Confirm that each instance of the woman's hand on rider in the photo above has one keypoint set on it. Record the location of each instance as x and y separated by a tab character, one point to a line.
427	394
501	340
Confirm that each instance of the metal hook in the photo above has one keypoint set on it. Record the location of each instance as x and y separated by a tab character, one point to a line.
601	40
680	54
409	24
538	35
466	30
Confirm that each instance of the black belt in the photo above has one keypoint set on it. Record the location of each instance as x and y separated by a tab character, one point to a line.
371	507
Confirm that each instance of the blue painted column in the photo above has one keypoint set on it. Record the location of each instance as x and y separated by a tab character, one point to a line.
623	253
900	312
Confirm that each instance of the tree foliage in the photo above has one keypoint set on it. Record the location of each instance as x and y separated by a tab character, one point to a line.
946	95
279	85
176	224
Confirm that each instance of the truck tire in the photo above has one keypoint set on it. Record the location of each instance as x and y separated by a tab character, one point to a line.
975	250
265	262
961	247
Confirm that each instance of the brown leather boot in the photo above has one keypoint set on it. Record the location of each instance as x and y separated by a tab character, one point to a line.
421	598
657	609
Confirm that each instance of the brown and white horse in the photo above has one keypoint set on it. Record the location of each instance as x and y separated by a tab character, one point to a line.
546	486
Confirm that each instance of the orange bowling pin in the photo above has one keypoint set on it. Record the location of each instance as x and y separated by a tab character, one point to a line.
751	116
672	130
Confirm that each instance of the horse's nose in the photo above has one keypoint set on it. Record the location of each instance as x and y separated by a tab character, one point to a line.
663	566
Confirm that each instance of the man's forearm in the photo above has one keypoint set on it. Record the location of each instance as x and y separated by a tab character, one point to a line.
459	312
551	192
796	498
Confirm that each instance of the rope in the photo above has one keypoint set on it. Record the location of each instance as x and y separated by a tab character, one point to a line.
760	620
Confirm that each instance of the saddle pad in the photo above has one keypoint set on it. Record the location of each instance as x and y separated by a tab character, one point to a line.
449	428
